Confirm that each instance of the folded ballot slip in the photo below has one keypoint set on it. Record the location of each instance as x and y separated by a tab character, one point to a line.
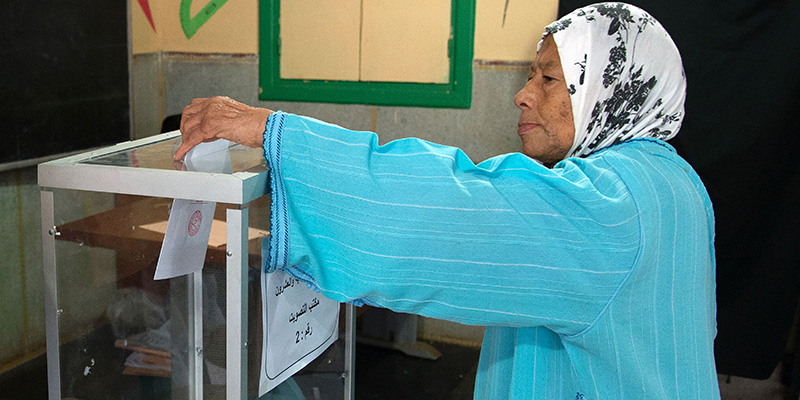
189	227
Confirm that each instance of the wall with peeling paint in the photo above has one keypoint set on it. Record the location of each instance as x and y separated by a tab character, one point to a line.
169	69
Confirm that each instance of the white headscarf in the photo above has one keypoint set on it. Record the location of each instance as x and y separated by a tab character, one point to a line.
624	75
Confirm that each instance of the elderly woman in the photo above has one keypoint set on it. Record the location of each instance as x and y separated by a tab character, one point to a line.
589	257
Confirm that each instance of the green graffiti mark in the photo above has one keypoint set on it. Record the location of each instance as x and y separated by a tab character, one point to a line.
191	25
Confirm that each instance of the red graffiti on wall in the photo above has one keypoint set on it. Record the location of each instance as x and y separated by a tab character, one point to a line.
146	8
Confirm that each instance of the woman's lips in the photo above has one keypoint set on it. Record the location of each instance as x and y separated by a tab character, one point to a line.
526	127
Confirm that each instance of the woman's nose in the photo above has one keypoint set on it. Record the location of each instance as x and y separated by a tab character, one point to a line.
525	97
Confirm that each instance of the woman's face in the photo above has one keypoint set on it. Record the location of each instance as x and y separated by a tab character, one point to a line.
546	126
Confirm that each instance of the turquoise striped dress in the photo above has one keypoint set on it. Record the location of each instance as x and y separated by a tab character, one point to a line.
595	278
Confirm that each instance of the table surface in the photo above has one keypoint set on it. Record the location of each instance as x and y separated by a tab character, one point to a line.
122	228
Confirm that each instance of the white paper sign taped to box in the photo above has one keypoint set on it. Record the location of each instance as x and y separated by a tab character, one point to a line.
299	325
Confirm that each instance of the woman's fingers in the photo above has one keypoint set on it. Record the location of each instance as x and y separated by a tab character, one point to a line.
209	119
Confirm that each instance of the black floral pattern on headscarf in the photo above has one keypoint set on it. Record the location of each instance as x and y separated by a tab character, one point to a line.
630	81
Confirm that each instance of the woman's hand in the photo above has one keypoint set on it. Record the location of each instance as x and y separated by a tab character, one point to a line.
209	119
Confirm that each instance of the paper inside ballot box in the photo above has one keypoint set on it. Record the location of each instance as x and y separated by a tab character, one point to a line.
149	355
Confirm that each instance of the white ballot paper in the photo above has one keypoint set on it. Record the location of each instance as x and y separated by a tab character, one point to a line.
299	324
189	227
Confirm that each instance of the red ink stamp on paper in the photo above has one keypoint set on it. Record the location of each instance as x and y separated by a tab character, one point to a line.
194	222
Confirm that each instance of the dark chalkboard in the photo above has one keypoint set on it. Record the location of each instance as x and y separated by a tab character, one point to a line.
63	76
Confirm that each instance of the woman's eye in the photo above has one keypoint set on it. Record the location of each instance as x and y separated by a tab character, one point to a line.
548	78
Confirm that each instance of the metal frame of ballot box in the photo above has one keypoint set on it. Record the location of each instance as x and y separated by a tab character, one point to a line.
97	171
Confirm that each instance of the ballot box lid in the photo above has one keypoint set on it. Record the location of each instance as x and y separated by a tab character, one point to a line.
145	167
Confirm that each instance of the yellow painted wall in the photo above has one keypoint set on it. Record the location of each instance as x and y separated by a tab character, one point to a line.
515	37
505	30
233	28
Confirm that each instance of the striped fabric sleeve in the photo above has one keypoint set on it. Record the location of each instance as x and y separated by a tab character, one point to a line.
417	227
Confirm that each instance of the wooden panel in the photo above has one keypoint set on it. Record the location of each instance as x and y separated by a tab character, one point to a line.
320	39
405	41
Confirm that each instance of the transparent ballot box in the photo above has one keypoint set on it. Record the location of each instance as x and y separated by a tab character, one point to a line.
122	325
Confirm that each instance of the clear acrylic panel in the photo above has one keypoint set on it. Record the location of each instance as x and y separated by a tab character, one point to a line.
158	155
323	378
119	328
120	333
124	335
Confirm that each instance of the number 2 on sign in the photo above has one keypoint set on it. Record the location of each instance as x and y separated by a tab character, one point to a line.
300	335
